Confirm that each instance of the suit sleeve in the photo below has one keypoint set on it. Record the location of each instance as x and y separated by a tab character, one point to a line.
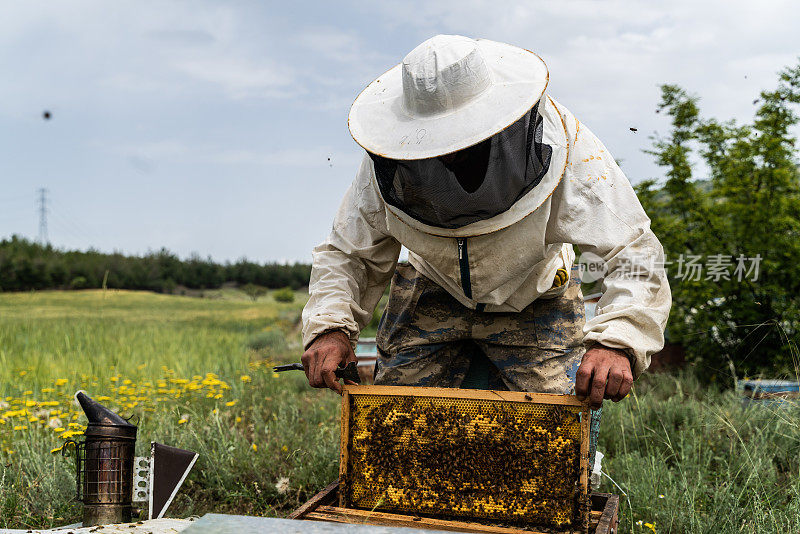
596	209
352	267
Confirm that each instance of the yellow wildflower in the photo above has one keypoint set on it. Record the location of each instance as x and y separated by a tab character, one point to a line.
231	403
285	448
238	419
255	447
61	381
651	526
28	392
181	421
245	378
59	429
47	390
57	449
275	375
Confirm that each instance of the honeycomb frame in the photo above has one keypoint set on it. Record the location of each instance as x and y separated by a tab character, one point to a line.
523	430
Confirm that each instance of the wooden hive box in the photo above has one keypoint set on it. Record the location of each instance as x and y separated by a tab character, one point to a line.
603	518
495	457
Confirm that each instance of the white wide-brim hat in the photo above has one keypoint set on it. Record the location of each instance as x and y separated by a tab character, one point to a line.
449	93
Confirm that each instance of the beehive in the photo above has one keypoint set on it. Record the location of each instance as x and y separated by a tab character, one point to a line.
496	456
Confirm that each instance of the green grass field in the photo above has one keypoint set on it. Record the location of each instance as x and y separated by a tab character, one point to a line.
197	372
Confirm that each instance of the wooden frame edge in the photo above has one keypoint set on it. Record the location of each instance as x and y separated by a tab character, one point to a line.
344	444
315	501
609	518
480	394
584	502
351	515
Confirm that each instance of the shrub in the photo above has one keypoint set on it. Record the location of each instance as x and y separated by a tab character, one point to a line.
271	339
254	291
79	282
283	295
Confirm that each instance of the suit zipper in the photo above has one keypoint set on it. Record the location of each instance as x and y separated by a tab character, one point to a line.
463	263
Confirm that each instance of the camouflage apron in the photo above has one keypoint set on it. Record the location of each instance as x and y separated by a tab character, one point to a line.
427	338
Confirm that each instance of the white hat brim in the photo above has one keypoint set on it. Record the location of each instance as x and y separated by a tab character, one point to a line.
379	123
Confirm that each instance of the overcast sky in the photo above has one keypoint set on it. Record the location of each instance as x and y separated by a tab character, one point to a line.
206	126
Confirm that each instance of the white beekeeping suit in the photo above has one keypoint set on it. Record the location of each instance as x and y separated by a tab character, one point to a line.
519	227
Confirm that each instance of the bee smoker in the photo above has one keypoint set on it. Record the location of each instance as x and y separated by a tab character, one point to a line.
104	465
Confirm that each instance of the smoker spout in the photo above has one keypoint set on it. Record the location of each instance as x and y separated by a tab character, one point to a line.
97	414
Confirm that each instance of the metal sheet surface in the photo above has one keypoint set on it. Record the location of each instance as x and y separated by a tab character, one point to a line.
239	524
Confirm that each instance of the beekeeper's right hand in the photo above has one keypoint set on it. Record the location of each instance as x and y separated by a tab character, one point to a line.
327	352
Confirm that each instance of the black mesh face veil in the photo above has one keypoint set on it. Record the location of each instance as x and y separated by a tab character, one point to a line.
430	191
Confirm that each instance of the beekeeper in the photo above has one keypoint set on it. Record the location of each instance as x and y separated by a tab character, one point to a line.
490	184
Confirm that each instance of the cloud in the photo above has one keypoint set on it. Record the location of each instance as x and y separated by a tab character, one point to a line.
182	37
243	78
331	43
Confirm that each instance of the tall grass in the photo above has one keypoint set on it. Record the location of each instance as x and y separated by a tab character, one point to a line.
266	442
692	459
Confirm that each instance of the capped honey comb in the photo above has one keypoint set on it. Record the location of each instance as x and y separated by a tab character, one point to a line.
498	456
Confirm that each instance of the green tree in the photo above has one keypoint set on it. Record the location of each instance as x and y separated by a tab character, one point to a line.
746	205
25	265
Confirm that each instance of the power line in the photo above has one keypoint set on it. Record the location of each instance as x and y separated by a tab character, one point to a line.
89	231
71	227
43	239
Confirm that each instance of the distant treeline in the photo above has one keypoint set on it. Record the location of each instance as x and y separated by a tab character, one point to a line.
26	265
